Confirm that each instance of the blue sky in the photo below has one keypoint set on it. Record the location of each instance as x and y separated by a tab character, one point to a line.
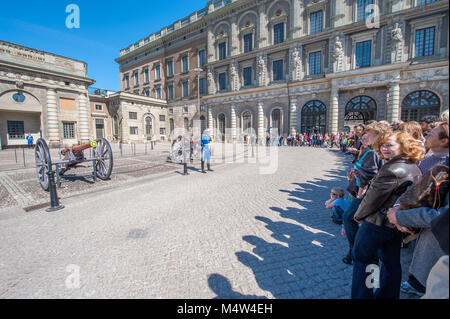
105	28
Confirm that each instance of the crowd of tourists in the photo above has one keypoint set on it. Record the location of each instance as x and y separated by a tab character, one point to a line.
303	139
397	197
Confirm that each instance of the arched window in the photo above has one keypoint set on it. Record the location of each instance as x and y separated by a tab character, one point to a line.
354	116
418	104
246	121
364	105
314	117
148	126
276	121
202	124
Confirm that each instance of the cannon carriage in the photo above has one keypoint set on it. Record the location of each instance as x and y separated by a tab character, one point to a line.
102	160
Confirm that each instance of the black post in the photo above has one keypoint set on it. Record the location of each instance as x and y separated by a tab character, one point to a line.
145	148
185	172
23	156
152	145
54	201
94	172
253	150
120	146
58	179
15	153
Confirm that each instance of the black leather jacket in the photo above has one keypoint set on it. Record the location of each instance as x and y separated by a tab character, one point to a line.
392	180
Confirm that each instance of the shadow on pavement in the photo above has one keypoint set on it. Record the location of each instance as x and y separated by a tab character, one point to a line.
221	286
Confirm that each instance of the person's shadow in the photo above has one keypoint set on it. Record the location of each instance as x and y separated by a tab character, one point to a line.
221	286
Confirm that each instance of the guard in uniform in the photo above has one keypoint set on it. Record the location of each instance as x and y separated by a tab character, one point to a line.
205	142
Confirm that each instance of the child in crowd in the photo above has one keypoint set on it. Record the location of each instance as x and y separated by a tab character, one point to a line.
338	204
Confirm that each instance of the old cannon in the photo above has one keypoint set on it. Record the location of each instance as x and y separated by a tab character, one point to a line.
102	160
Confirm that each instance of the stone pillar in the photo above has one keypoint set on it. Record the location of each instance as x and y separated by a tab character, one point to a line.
293	116
234	43
210	52
394	102
334	111
83	115
52	119
261	121
210	120
262	28
233	123
297	21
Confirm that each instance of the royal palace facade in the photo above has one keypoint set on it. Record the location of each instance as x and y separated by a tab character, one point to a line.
295	65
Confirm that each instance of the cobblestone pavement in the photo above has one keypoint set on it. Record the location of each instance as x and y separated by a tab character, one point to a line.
231	233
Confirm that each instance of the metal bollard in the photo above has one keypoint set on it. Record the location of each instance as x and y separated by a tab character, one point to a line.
120	146
253	151
15	154
23	156
94	169
145	148
54	201
58	177
152	145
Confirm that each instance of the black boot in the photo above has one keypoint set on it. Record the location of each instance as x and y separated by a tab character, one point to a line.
203	167
209	167
348	259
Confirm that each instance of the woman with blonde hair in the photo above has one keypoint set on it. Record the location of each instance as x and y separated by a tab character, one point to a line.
401	152
413	128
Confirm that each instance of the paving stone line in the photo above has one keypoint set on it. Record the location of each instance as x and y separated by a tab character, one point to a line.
17	192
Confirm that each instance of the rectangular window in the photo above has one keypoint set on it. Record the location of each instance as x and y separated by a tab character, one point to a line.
247	76
315	20
424	2
362	54
136	92
184	60
146	91
222	51
162	131
170	111
158	92
170	91
162	118
363	11
202	86
98	107
278	33
136	78
277	70
158	72
133	130
201	58
222	81
69	130
186	89
315	62
16	130
146	75
248	42
127	81
133	115
170	68
424	42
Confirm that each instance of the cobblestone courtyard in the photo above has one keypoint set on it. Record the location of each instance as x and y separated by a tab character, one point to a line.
232	233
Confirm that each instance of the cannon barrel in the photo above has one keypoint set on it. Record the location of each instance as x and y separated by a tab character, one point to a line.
80	148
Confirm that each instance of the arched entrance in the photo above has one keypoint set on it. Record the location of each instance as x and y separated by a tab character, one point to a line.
276	121
359	110
418	104
314	117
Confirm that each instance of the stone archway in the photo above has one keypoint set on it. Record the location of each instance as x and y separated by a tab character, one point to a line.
418	104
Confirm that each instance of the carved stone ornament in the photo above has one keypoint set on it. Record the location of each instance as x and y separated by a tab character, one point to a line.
211	83
396	43
234	77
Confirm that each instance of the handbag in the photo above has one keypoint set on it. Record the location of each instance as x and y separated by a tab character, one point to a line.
430	191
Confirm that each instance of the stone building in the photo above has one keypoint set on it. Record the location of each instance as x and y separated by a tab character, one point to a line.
297	65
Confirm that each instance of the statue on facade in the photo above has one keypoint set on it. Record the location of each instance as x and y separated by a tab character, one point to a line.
234	77
397	43
261	71
296	65
337	54
211	82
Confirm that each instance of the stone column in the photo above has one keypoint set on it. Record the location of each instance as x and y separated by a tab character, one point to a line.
394	102
233	123
262	29
261	121
210	52
234	49
83	122
334	111
52	119
293	116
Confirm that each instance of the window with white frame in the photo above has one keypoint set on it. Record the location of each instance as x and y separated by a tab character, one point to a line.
201	58
202	88
158	92
185	63
363	54
170	68
127	81
146	75
132	115
69	130
316	21
170	91
136	78
98	107
157	72
147	91
185	88
133	130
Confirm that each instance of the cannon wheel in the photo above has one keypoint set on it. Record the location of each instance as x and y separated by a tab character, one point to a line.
43	162
104	155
